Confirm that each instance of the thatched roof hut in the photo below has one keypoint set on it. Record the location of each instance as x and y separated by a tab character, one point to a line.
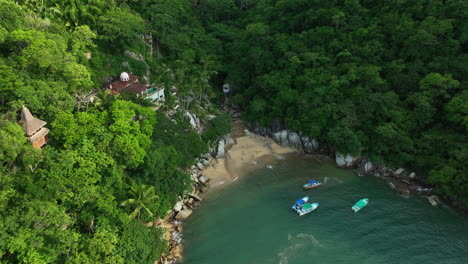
33	128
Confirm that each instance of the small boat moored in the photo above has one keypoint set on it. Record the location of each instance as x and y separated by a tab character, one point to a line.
299	203
360	204
312	184
307	208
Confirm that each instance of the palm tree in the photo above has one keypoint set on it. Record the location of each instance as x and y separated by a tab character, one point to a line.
142	196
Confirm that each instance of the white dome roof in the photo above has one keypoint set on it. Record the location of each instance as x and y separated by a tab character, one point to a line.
124	77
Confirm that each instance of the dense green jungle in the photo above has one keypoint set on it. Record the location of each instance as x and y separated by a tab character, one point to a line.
380	79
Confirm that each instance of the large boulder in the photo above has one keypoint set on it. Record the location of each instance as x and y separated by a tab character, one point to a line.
184	214
281	137
229	140
340	160
295	141
220	149
192	121
134	55
207	156
200	166
399	171
368	167
196	197
178	206
203	179
206	163
345	161
308	145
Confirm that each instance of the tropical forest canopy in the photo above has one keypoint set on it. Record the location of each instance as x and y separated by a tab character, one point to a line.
112	164
382	79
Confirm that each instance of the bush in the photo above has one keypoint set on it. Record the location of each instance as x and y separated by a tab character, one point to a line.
219	126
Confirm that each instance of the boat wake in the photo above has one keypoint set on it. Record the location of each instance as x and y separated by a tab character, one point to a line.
325	179
296	244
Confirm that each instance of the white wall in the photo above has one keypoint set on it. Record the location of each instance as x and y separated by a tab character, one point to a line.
157	95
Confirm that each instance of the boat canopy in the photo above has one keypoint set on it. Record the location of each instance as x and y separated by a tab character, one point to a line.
361	203
313	181
300	201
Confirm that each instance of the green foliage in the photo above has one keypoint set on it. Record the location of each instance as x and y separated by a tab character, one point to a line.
386	81
120	26
106	159
187	143
219	126
140	244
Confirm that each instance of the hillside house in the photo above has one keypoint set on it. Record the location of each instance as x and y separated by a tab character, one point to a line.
130	83
34	128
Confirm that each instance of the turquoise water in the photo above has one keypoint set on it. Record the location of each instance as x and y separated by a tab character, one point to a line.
251	222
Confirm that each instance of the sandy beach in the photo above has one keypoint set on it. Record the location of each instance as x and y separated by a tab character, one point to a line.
249	153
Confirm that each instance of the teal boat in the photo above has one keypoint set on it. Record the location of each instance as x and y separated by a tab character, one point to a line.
360	204
307	208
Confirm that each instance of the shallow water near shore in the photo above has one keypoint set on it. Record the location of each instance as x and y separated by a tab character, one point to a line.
251	221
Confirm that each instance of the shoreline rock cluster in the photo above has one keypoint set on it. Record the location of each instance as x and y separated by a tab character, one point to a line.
172	223
399	179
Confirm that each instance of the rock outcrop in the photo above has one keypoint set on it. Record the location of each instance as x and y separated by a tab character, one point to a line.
347	161
184	214
220	154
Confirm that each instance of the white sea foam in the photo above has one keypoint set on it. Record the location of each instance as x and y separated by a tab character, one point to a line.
295	244
218	184
278	156
177	236
269	166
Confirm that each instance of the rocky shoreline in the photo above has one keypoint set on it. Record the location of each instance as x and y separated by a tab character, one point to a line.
172	223
405	182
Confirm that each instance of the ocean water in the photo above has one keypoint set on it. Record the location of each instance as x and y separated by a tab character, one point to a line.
250	221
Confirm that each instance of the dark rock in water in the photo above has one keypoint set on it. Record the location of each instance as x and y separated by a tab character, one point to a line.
405	181
421	189
196	197
399	171
404	193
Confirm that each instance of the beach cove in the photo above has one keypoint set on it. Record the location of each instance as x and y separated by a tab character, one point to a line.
246	216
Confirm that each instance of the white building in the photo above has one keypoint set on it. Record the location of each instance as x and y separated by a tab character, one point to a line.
156	94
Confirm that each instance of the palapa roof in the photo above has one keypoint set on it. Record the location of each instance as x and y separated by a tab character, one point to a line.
29	123
44	131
